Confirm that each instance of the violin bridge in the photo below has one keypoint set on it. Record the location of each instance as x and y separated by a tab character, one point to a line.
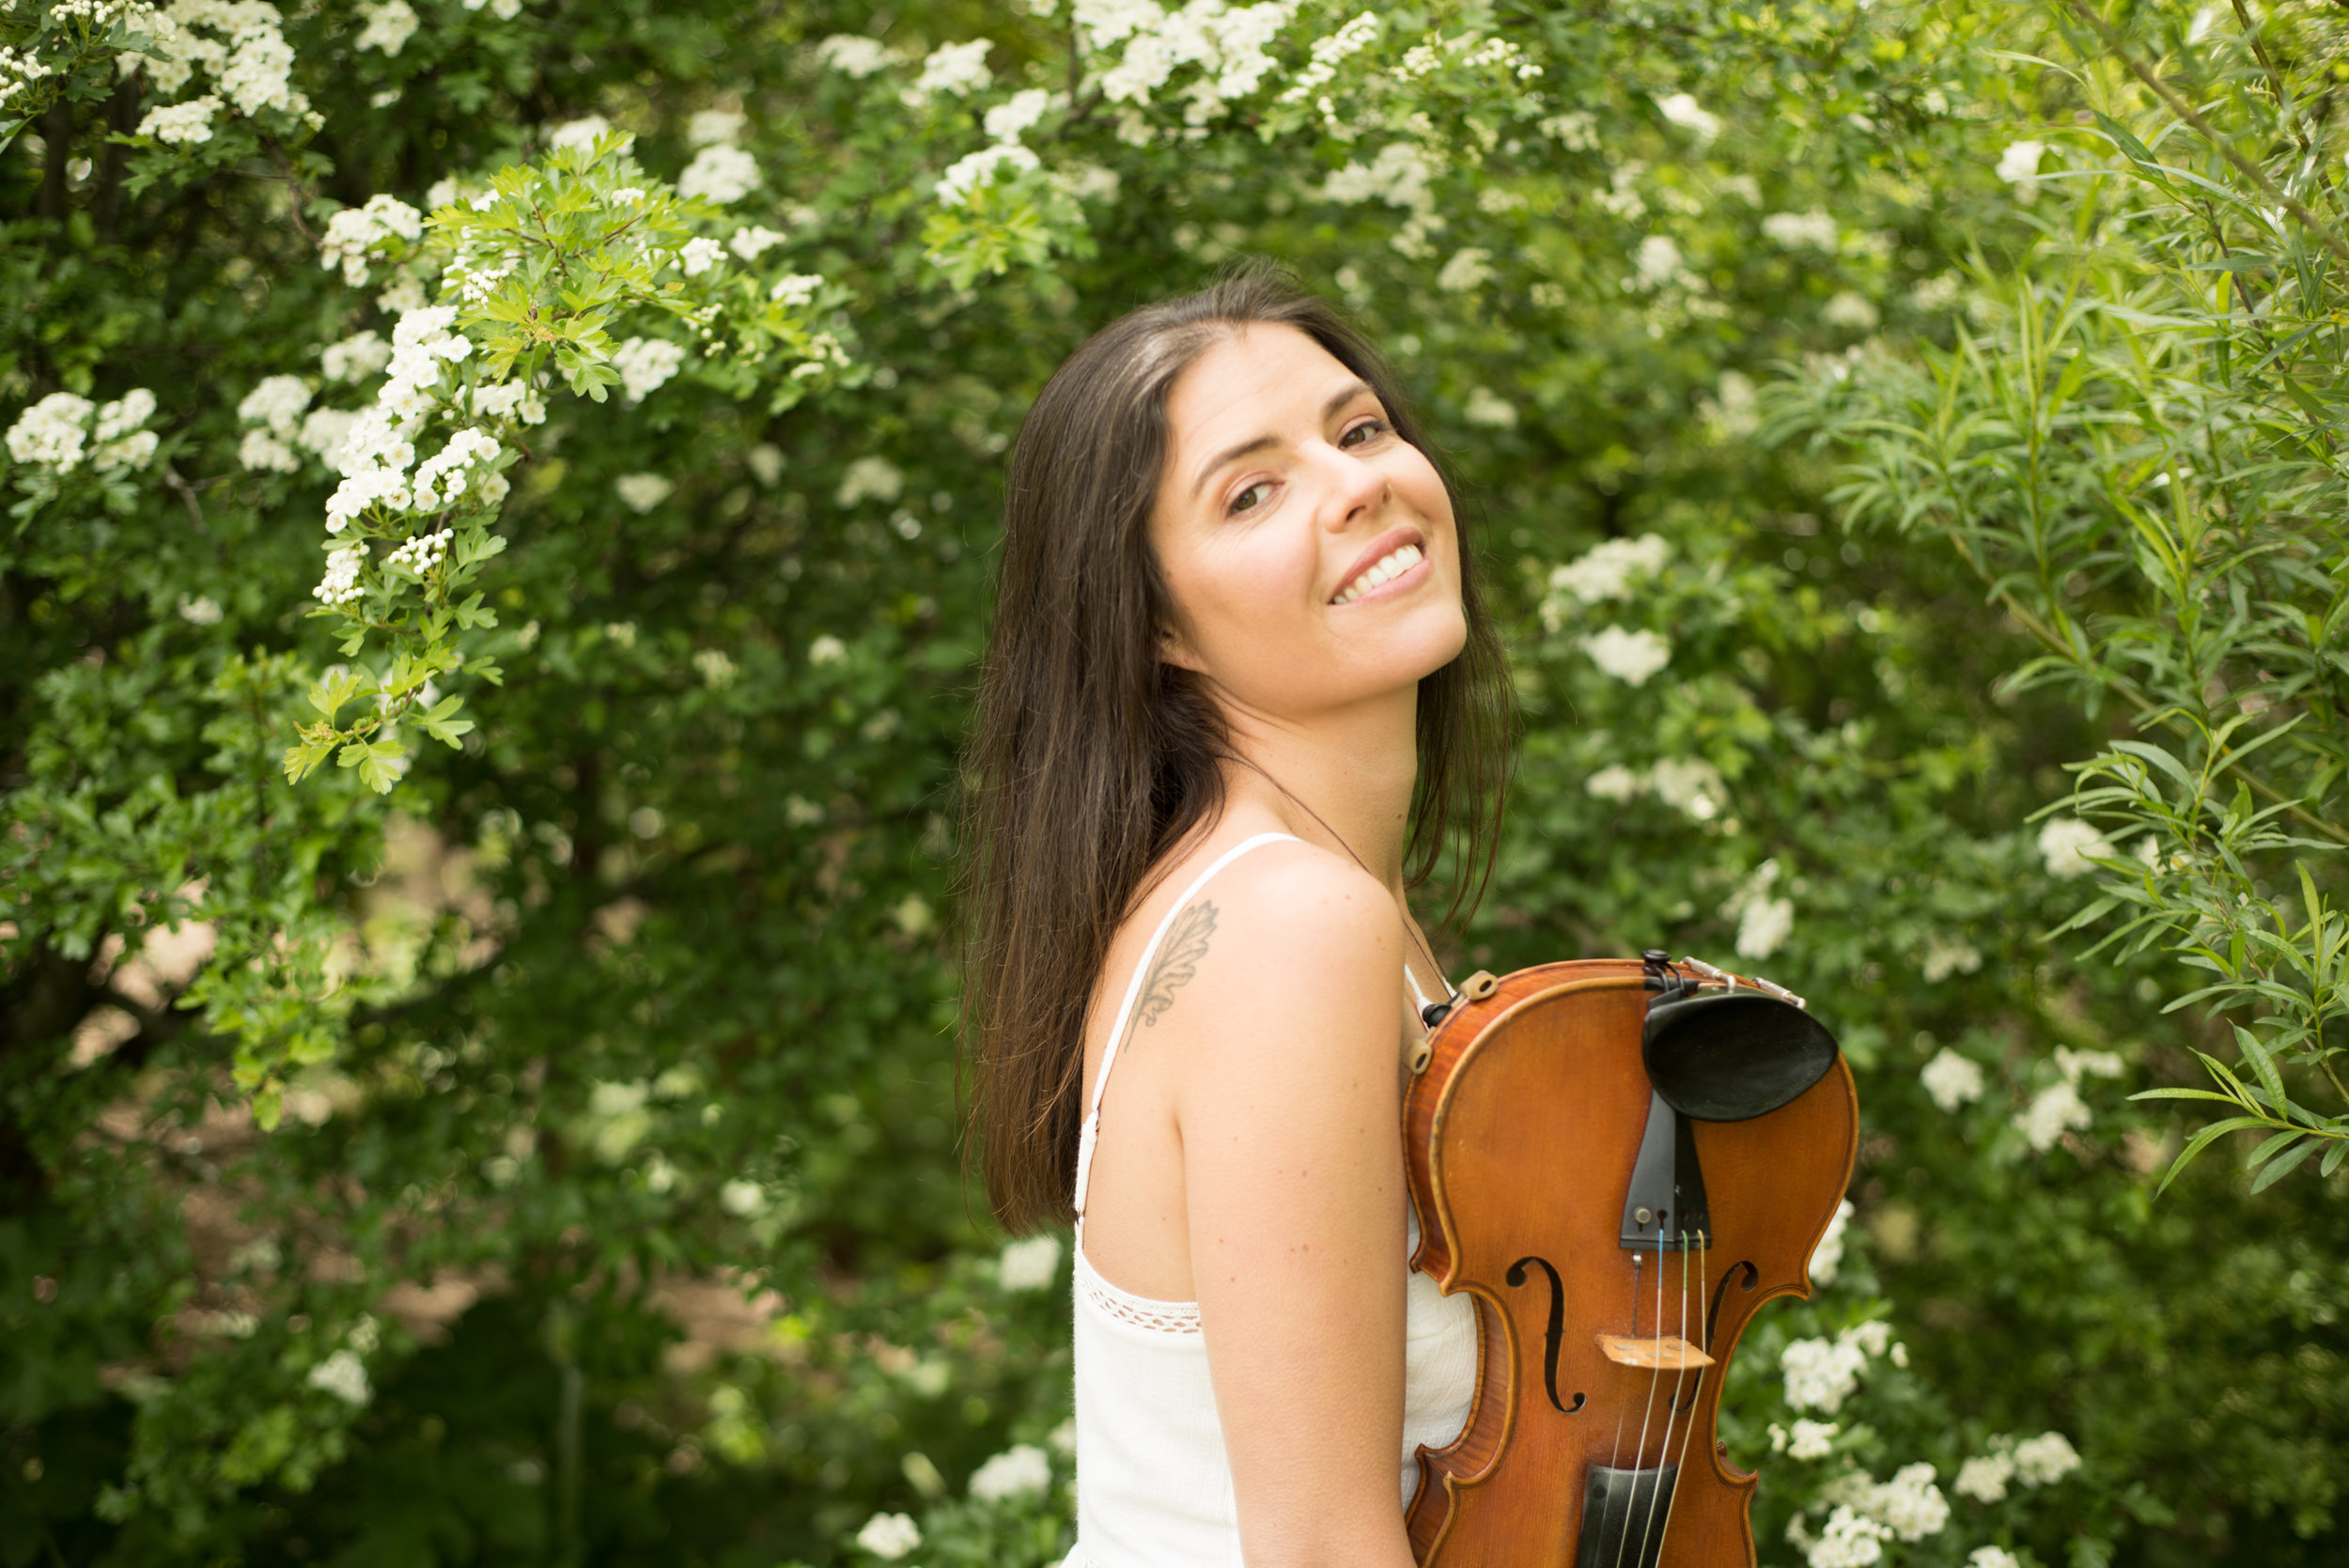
1670	1353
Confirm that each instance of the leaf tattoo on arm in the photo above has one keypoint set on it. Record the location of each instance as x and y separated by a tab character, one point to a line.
1177	960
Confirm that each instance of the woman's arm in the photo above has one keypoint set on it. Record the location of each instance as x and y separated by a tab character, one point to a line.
1287	1106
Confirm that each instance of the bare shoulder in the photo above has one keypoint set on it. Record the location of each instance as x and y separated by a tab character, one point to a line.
1287	937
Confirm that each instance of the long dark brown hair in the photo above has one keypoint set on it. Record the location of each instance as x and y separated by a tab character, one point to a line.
1092	757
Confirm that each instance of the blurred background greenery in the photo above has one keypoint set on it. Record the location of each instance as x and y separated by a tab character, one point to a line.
1904	439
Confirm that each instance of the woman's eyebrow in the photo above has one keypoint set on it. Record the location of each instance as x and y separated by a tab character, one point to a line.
1346	394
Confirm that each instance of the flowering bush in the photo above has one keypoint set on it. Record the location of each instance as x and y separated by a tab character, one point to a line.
541	1144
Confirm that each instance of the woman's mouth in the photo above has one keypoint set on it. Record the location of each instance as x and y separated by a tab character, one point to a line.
1380	572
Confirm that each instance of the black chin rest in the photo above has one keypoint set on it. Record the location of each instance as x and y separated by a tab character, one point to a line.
1729	1056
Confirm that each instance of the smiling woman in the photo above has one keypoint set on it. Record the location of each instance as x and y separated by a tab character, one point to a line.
1241	699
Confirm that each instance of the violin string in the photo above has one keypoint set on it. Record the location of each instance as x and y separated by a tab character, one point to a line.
1614	1457
1672	1406
1703	1339
1654	1376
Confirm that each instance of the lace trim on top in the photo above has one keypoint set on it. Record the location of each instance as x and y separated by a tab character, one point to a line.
1159	1317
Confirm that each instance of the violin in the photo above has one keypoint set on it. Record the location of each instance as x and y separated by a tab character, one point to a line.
1618	1160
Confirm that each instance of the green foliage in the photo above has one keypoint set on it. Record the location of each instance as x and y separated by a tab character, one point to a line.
539	1146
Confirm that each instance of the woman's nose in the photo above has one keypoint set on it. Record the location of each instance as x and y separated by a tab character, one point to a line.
1356	487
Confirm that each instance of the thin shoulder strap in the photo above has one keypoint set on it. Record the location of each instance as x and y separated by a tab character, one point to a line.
1133	994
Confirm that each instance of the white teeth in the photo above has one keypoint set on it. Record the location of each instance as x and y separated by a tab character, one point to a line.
1385	570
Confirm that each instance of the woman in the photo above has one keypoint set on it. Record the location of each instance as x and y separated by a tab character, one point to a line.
1240	695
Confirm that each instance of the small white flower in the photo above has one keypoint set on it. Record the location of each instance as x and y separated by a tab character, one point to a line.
1983	1477
2018	165
852	55
709	126
1813	228
1945	957
1850	1539
1821	1374
1685	112
2068	845
1851	311
53	432
797	289
581	132
1010	120
766	461
389	25
262	453
699	255
199	612
645	365
1470	269
1630	657
718	670
1029	1265
1691	787
827	649
2046	1459
1658	262
742	1199
1812	1439
276	402
344	1375
1614	781
2053	1111
181	124
1488	408
1953	1081
720	174
983	167
1607	570
754	241
1020	1470
355	358
642	491
889	1536
1765	926
872	477
1992	1557
953	68
1827	1256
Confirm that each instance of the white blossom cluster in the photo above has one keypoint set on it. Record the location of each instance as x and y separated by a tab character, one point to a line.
1794	230
390	23
1953	1081
1821	1374
18	73
183	124
1630	657
64	430
2070	847
1605	571
423	552
889	1536
642	492
442	478
853	56
873	478
2018	165
645	365
340	584
1764	923
344	1375
1400	175
1328	52
1020	1470
2040	1461
1850	1539
1227	43
355	358
1827	1256
239	45
1691	786
1685	112
1030	1265
2059	1108
754	241
1809	1440
356	233
273	408
722	173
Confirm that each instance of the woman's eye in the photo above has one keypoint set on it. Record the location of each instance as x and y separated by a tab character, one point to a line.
1250	498
1366	429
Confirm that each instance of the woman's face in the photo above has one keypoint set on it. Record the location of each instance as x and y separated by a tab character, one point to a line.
1310	550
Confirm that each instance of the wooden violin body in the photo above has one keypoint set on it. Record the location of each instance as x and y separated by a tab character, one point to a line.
1603	1334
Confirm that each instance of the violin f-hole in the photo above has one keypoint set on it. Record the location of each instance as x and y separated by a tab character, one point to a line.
1746	1274
1552	1334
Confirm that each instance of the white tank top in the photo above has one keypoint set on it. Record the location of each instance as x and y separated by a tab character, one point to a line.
1154	1484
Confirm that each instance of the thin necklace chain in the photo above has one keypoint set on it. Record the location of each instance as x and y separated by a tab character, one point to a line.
1410	926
